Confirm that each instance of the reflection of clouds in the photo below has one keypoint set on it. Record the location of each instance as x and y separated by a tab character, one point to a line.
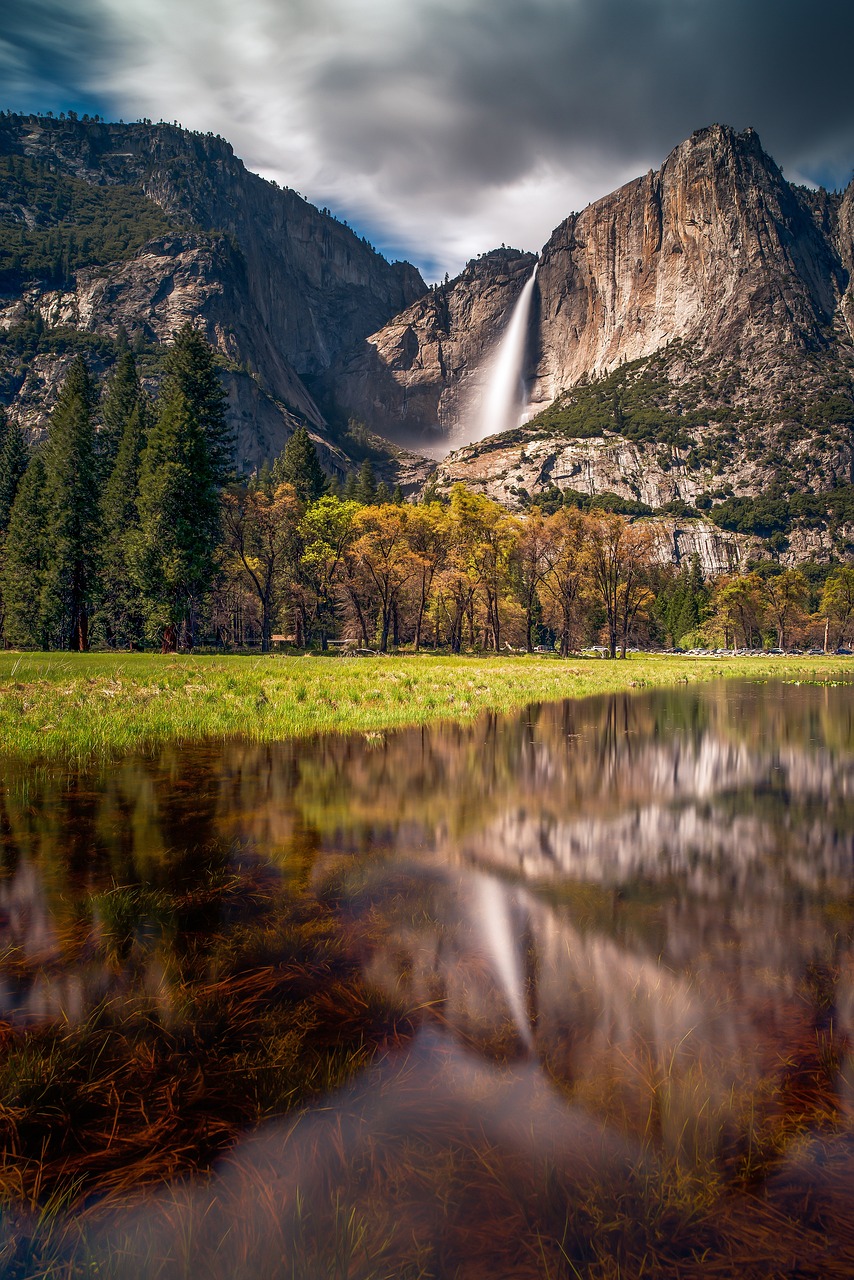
387	1147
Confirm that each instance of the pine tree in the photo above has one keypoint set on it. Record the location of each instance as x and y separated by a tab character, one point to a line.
24	560
14	456
125	416
298	465
185	462
366	485
383	494
71	503
123	392
121	616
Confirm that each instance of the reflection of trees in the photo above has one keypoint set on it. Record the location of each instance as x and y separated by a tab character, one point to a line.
685	782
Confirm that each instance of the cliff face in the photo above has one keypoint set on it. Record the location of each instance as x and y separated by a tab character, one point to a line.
692	334
414	379
279	286
715	247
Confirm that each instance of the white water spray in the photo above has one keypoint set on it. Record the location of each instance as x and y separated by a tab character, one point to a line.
502	946
504	401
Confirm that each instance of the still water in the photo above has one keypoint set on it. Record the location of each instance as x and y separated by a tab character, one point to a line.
566	993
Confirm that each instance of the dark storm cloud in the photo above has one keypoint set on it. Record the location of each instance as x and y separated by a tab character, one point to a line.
504	82
46	50
446	127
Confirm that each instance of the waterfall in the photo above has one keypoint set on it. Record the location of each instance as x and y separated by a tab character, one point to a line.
504	400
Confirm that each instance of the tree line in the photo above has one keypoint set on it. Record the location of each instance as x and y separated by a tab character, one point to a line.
126	528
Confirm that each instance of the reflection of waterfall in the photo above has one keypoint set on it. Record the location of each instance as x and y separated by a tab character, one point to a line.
493	911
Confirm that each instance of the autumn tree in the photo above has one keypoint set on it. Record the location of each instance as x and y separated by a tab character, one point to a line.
837	600
428	541
564	579
531	563
482	535
261	537
383	550
738	609
327	532
785	595
619	555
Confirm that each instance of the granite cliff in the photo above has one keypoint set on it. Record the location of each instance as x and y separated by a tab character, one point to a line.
691	340
279	287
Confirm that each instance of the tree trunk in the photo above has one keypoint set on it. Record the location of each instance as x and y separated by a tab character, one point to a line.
170	638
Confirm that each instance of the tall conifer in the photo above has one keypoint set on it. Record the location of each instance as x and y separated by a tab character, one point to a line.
121	614
71	499
123	392
14	456
185	461
298	465
366	485
24	561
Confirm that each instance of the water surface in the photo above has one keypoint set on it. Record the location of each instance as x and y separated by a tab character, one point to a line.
564	993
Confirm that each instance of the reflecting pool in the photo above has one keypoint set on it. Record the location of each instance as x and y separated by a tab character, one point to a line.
565	993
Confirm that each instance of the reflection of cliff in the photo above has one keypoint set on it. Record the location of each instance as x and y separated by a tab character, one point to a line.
692	1023
706	847
596	789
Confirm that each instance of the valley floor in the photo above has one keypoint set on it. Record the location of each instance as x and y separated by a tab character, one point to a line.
80	706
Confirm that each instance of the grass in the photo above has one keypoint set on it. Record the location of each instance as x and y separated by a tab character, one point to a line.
85	706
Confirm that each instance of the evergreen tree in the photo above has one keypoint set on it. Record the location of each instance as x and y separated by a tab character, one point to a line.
120	615
298	465
123	392
366	485
185	462
14	456
24	561
397	497
71	503
263	480
382	495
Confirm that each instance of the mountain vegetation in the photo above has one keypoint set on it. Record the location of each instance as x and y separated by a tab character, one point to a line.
127	528
70	223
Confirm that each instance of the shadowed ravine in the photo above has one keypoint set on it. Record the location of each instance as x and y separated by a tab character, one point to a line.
566	993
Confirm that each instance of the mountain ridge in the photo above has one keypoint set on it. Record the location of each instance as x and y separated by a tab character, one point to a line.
691	338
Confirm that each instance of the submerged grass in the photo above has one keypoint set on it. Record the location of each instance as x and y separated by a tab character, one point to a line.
83	706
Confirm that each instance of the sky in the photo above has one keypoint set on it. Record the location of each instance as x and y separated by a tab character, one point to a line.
443	128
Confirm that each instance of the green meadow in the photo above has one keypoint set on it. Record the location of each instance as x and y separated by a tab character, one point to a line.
81	706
